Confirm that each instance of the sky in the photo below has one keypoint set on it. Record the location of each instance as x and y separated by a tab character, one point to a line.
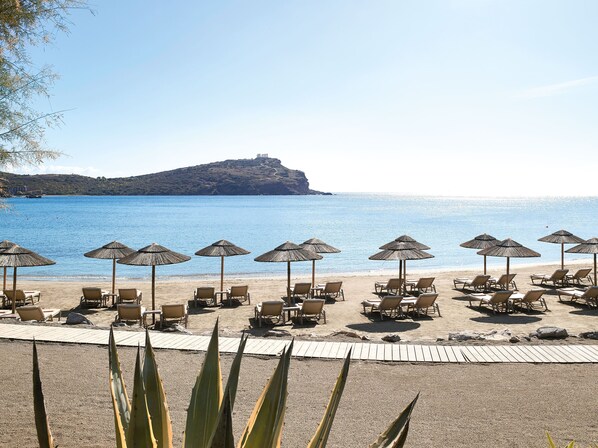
448	97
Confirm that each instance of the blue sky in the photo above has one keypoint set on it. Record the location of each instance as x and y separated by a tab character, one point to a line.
461	97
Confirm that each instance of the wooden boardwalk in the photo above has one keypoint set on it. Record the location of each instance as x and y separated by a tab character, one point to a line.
366	351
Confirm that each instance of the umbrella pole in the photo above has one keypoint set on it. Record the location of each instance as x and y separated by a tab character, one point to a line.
288	282
14	288
400	276
484	264
313	273
4	284
222	273
153	293
594	269
508	260
113	275
562	255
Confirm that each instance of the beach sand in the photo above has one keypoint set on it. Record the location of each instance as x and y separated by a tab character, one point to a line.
505	405
341	316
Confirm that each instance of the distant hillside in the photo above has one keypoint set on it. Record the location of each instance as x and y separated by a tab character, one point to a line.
259	176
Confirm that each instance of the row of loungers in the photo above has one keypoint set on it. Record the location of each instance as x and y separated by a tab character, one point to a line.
392	306
392	286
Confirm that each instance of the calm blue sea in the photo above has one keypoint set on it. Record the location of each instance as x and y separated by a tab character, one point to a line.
63	228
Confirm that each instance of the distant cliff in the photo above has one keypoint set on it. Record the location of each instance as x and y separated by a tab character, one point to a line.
259	176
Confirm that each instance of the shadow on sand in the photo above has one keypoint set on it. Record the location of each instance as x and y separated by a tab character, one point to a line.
385	326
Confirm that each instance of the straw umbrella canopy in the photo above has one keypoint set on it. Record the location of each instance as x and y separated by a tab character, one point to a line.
153	255
588	247
405	239
221	249
288	253
483	241
562	237
5	245
510	249
111	251
401	251
320	247
17	257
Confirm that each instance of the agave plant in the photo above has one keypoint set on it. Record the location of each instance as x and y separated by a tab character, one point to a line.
144	420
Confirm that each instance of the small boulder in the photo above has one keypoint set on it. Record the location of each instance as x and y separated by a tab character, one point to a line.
391	338
276	333
77	319
365	338
550	333
439	339
350	334
514	339
176	328
589	335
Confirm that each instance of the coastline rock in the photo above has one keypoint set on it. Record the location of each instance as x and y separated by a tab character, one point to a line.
494	335
589	335
391	338
176	328
77	319
550	333
276	333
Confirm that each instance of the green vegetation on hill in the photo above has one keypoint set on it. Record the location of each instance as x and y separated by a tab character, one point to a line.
259	176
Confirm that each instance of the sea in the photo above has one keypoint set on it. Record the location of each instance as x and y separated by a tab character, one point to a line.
63	228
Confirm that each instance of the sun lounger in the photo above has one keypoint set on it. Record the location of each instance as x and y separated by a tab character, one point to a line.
558	277
529	299
300	291
239	293
129	295
503	282
94	297
422	304
391	287
424	284
389	306
22	297
479	283
311	309
330	291
269	310
177	313
497	301
579	277
590	295
205	294
129	312
36	313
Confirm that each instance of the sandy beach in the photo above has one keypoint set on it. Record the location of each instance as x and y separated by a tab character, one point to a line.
343	315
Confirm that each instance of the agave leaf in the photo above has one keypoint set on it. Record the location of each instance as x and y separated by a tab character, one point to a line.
206	397
396	434
223	432
264	428
320	438
42	426
156	398
118	391
140	433
550	441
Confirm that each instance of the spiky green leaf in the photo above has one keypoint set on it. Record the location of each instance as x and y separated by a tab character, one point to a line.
118	392
42	426
206	398
264	428
320	438
140	433
396	434
156	398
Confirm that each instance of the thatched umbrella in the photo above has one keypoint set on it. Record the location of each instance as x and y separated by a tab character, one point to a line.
221	249
320	247
401	251
111	251
288	252
509	249
5	245
588	247
562	237
483	241
17	257
405	239
153	255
